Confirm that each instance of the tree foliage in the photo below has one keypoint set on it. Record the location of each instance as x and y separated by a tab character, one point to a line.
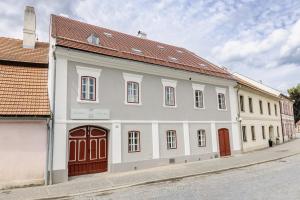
294	93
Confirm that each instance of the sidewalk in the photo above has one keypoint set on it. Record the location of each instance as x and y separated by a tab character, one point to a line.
110	181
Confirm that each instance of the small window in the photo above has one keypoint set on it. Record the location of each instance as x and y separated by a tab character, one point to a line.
133	141
93	39
242	103
263	132
171	139
221	101
88	88
132	92
269	108
250	105
201	138
261	107
244	133
253	133
278	132
199	99
275	108
169	96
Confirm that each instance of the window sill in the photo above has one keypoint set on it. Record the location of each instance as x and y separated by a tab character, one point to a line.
133	104
165	106
222	109
196	108
87	101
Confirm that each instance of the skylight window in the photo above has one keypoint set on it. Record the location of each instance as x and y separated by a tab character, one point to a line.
137	51
107	34
203	65
179	51
172	58
93	39
160	47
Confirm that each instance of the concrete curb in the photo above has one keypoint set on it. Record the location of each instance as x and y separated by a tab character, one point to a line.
165	179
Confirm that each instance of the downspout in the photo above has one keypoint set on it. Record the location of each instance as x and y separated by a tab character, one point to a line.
53	118
239	117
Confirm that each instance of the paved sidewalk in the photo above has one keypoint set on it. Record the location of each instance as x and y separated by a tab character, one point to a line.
109	181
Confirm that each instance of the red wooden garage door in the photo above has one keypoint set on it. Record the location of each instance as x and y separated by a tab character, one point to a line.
224	142
87	150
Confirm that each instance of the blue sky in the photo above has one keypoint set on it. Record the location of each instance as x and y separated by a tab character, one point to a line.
257	38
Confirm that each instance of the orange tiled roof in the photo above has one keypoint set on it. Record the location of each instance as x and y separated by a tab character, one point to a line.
12	50
23	83
73	34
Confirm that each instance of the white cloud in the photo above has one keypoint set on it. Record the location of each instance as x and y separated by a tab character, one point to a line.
253	37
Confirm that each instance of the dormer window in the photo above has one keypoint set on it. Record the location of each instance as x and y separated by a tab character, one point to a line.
172	58
93	39
136	51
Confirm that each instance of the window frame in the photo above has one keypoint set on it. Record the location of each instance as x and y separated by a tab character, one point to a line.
244	134
138	92
169	84
242	103
223	92
269	108
275	109
88	78
253	134
198	87
130	150
201	133
175	143
88	72
250	102
261	107
263	132
132	78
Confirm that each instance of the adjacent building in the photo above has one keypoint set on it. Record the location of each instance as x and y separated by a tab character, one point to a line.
259	114
24	108
287	118
124	102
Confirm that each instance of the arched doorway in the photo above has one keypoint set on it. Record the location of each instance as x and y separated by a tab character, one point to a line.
87	150
224	142
271	133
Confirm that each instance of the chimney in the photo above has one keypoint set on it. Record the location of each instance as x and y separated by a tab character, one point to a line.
29	37
142	35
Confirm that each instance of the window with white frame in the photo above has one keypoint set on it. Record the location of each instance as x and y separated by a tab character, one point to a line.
132	92
169	96
253	133
198	96
221	98
169	92
88	88
133	141
201	138
88	79
132	88
171	139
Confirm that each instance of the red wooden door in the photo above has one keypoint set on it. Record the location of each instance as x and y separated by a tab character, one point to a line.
224	142
87	150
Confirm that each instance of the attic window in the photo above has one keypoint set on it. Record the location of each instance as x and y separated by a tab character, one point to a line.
160	47
172	58
93	39
137	51
107	34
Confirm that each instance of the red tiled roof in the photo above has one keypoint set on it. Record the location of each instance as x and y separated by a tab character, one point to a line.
12	50
73	34
23	82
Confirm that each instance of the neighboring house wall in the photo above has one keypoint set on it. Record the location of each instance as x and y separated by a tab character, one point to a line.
150	117
22	152
271	123
287	116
